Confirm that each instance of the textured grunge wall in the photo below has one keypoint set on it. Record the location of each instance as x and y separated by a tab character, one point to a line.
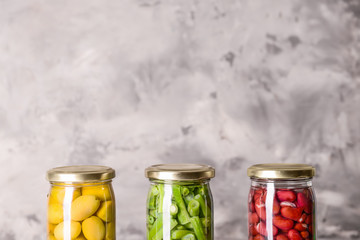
131	83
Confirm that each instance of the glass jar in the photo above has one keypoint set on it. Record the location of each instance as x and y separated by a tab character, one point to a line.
179	203
281	202
81	203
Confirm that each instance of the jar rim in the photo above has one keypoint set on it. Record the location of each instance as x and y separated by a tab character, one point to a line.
281	171
180	172
80	173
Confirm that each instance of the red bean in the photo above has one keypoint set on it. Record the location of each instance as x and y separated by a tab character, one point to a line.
261	228
251	207
302	218
253	218
291	213
301	227
260	208
286	196
259	237
258	193
294	235
276	207
305	234
283	223
281	237
253	231
308	219
303	201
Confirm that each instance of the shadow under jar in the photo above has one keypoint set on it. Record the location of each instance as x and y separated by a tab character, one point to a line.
179	203
281	202
81	203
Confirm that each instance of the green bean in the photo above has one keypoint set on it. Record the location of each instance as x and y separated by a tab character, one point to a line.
189	226
203	191
152	197
159	234
151	219
151	202
198	229
185	191
173	223
188	198
178	234
155	190
174	209
180	227
153	213
156	226
189	236
204	207
193	208
183	215
206	222
161	198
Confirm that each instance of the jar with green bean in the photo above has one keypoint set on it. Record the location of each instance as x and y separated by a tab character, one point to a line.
179	203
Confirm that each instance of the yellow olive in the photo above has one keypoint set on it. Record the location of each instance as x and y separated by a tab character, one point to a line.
103	192
83	207
105	211
55	213
57	194
74	231
52	200
51	228
93	228
110	231
51	237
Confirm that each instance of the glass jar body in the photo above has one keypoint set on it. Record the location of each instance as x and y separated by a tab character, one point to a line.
179	210
281	209
81	211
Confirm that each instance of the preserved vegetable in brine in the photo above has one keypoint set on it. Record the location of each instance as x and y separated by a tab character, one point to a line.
281	202
81	203
179	204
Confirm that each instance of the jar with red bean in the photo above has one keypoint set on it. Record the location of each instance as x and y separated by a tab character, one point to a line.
281	204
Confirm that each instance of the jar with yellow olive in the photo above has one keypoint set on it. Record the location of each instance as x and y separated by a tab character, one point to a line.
81	203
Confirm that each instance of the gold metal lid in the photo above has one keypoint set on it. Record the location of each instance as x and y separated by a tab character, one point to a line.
180	172
281	171
80	173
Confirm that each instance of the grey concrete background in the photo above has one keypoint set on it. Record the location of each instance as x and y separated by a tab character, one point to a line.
132	83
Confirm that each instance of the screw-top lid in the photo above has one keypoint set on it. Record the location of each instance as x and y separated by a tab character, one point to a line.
180	172
281	171
81	173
